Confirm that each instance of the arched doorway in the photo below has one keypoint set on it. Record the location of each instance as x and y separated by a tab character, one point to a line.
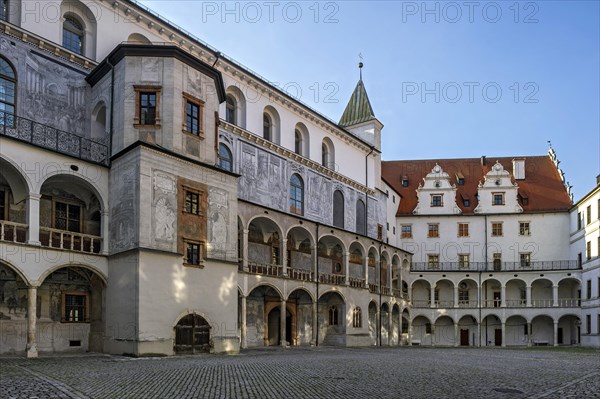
274	327
373	322
332	319
192	335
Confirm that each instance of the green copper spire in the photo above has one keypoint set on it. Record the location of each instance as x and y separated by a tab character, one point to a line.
359	107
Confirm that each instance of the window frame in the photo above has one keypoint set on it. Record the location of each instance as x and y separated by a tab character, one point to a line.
434	203
357	317
68	203
433	230
10	80
69	22
463	229
220	158
464	261
4	10
296	189
231	109
267	127
497	229
186	259
408	233
433	261
502	198
146	89
525	229
188	99
198	196
85	295
525	259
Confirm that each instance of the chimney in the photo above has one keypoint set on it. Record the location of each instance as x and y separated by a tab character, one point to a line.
483	160
519	169
598	180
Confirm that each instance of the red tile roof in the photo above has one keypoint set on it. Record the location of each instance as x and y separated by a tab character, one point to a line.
542	185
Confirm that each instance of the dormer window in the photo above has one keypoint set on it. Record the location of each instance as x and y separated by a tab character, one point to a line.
436	200
466	203
461	181
404	181
498	199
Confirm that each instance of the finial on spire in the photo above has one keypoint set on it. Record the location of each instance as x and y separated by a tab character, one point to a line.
360	64
549	144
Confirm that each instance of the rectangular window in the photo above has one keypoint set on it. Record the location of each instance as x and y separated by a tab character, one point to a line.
579	260
588	250
496	229
75	307
192	202
524	229
463	295
463	261
589	215
588	324
4	10
3	205
193	253
461	181
192	118
427	328
404	181
588	291
525	259
67	217
380	232
406	231
387	226
498	199
598	288
436	200
394	199
147	108
433	261
433	230
463	229
466	203
579	219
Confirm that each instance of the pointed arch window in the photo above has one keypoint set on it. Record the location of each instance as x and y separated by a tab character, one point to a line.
267	127
230	108
8	89
296	195
73	34
333	316
225	158
338	209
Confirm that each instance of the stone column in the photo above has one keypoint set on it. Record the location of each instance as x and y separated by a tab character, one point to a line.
33	218
31	322
556	333
390	327
245	249
456	337
315	257
314	323
555	295
104	232
478	344
282	317
243	331
503	334
409	331
432	296
366	271
432	334
528	296
455	296
284	267
529	330
503	298
347	268
400	330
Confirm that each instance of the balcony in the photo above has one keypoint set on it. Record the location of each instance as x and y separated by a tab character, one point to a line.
265	269
67	240
13	232
300	274
357	282
334	279
495	266
52	139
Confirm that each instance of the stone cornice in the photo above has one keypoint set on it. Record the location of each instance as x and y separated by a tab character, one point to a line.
251	137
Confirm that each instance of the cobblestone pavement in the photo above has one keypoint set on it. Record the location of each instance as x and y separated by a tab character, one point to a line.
312	373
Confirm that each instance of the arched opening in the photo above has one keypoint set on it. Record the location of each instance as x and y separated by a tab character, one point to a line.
73	34
404	332
491	292
192	335
542	330
264	247
385	273
491	331
332	319
79	28
421	294
299	305
395	330
71	304
384	316
328	154
516	329
296	194
138	38
421	331
263	326
271	125
467	331
467	293
569	293
356	265
225	158
330	252
13	204
373	269
568	330
444	331
361	226
99	121
299	254
444	294
8	93
396	289
541	293
13	309
301	140
235	107
338	209
70	215
516	293
373	324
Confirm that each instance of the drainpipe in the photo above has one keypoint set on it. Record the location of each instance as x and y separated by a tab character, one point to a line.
480	271
112	108
380	297
317	284
366	194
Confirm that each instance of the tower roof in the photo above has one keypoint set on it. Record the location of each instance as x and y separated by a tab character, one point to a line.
359	107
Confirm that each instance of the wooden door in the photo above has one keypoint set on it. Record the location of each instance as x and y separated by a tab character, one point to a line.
498	337
464	337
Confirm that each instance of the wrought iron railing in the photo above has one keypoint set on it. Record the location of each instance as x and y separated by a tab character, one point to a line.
53	139
495	266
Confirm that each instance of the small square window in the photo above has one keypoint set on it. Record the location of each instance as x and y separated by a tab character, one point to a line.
463	261
498	199
406	231
466	203
463	229
436	200
405	182
193	253
433	261
497	229
75	307
192	203
461	181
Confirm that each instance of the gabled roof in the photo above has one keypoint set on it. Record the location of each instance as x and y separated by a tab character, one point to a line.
542	187
359	108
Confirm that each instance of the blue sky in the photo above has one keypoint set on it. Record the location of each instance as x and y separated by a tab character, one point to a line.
447	79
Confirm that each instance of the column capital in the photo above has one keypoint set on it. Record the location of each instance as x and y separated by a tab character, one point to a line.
34	196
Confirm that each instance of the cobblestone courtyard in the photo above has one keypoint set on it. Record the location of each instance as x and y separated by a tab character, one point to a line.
312	373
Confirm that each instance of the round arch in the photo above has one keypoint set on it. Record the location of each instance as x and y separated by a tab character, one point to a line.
268	219
19	182
79	179
267	285
103	276
333	292
305	230
301	289
138	38
17	271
